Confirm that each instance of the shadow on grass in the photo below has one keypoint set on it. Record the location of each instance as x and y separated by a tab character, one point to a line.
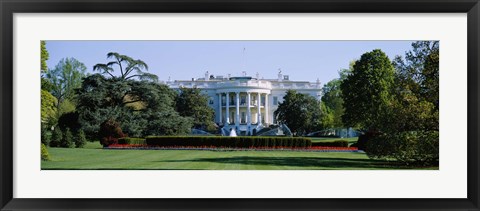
304	162
135	169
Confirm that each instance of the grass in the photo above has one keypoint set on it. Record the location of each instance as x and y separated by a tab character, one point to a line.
94	157
350	140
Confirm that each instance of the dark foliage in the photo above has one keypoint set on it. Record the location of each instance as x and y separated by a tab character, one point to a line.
233	142
110	132
336	143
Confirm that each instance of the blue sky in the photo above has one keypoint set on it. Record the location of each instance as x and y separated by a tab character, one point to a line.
183	60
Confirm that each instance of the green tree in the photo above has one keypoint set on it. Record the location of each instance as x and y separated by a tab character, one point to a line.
333	101
43	56
126	65
65	78
300	112
57	137
67	141
192	103
138	106
419	71
48	108
332	97
80	139
367	91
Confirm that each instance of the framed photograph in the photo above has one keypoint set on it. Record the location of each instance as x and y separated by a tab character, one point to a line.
263	105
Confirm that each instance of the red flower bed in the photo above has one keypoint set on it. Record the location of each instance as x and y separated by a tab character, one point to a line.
316	148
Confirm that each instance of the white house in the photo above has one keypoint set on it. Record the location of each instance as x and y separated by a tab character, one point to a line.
245	103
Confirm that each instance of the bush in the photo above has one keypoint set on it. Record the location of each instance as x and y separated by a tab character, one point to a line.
230	142
69	120
411	147
336	143
46	135
44	153
110	132
57	137
67	141
363	140
80	139
128	140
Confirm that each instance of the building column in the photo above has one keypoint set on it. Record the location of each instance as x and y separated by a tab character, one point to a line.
219	107
266	109
237	106
259	113
249	113
227	104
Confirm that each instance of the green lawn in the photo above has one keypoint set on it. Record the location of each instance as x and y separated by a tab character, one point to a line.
94	157
350	140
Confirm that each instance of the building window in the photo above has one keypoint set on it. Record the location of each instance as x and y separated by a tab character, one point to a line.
242	100
275	100
210	101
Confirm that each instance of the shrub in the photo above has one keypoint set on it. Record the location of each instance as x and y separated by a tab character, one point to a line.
411	147
80	139
336	143
67	141
46	135
128	140
44	153
230	142
57	137
364	138
110	132
69	120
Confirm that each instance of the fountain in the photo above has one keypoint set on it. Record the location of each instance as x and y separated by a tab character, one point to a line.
199	132
277	130
233	133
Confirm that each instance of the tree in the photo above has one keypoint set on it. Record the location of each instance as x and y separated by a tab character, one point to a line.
80	139
48	108
300	112
333	101
136	105
367	91
419	71
65	78
67	141
192	103
126	66
57	137
45	84
43	56
332	97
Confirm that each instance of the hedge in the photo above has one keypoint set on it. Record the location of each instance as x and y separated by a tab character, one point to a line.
128	140
336	143
411	147
229	142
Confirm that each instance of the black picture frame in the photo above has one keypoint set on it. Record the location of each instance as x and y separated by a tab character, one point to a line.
10	7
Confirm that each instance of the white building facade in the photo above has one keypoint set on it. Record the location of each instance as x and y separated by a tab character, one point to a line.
246	103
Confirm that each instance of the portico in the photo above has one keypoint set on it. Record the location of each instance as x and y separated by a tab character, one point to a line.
243	107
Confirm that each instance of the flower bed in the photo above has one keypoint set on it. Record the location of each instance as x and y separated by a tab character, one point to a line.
214	148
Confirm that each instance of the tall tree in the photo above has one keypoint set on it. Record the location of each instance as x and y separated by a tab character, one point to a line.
332	97
300	112
45	83
65	78
419	71
129	68
101	98
367	91
48	108
191	102
43	56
